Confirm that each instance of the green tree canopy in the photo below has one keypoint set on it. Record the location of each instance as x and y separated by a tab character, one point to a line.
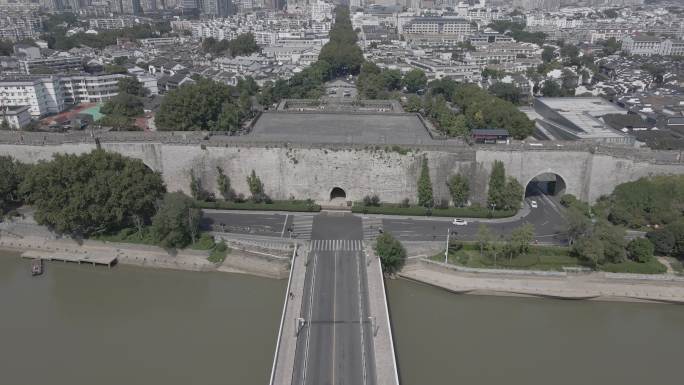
123	104
425	198
640	250
12	173
97	192
391	252
459	188
176	223
130	85
204	105
414	80
506	91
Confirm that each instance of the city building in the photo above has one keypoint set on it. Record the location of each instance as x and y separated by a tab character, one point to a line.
437	30
579	119
55	64
43	95
641	45
16	117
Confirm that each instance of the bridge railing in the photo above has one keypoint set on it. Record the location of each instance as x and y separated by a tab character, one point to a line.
282	317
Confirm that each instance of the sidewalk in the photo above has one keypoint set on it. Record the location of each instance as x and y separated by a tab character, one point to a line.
594	286
383	343
287	346
522	213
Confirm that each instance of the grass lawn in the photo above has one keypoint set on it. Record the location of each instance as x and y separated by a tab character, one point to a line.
553	258
539	258
128	235
651	267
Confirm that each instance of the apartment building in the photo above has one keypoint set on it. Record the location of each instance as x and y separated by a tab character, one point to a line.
89	88
437	30
650	45
46	95
55	64
43	95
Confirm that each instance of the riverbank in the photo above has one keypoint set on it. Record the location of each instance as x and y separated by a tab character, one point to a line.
558	285
240	260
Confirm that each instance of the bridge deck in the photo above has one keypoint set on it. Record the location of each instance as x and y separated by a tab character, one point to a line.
339	296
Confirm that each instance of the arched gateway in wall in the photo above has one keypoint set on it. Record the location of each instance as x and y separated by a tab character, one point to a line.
547	183
338	193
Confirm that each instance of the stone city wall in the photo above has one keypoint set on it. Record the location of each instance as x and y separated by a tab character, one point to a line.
313	170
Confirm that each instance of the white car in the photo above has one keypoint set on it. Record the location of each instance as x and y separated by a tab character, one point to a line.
533	204
459	222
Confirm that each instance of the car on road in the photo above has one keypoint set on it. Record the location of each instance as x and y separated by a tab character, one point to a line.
459	222
533	204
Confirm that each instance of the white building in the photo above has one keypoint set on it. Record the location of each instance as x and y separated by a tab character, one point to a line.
17	117
641	45
42	95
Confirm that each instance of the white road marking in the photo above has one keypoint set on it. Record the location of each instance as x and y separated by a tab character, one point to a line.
308	330
363	350
334	314
282	233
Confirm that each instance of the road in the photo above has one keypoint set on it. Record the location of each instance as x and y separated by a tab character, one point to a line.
335	344
546	218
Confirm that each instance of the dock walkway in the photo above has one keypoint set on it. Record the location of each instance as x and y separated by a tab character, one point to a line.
75	257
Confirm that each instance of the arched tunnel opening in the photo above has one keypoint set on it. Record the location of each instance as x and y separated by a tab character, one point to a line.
338	192
548	183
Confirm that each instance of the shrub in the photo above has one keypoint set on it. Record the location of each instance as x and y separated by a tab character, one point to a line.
640	250
391	252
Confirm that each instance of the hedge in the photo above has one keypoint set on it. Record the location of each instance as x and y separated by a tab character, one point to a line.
465	212
289	205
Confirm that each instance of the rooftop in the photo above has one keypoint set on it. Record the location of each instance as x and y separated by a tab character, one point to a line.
312	127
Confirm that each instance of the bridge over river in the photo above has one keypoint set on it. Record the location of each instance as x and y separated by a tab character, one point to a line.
335	326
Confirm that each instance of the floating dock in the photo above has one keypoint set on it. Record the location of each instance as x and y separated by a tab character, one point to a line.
101	259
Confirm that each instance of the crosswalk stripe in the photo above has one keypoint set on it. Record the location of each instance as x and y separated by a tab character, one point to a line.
336	245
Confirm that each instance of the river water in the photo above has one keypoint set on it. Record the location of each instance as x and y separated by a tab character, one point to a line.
444	338
79	324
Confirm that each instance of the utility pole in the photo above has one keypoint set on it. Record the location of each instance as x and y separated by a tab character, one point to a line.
446	252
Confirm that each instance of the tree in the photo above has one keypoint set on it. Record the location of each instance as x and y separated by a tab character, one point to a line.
506	91
425	198
223	183
176	223
611	46
589	249
521	238
256	188
578	224
459	189
414	80
123	104
484	237
613	238
640	250
115	69
548	54
97	192
130	85
12	175
497	184
512	195
391	252
663	241
551	89
413	104
196	107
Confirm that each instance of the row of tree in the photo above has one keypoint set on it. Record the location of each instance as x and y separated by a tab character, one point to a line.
504	192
